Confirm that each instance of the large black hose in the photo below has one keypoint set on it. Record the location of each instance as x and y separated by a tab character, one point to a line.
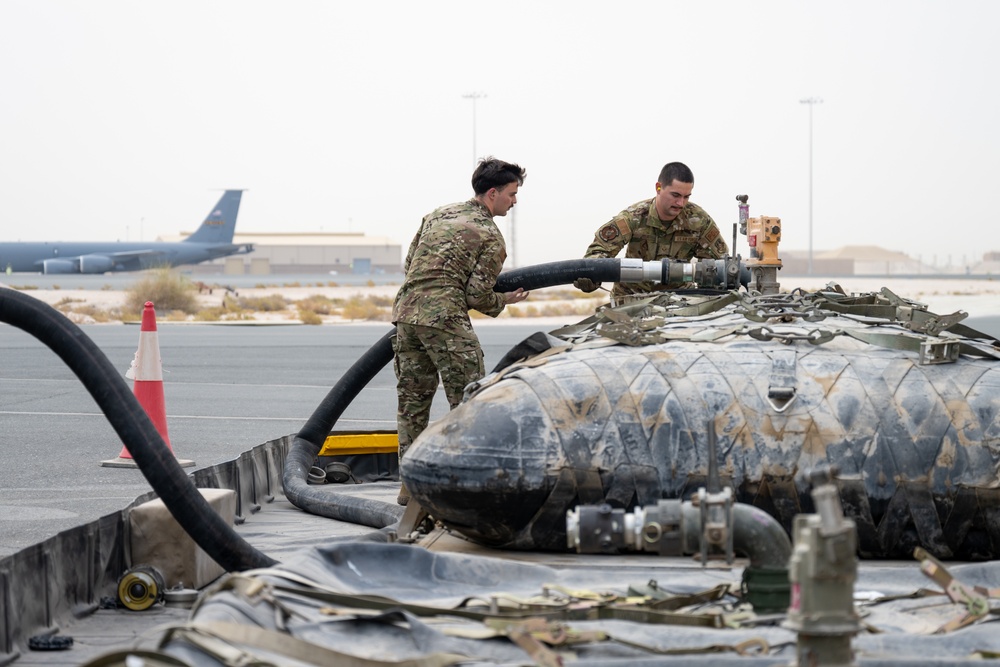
135	429
559	273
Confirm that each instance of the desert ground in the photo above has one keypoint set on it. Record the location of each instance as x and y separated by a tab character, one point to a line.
558	305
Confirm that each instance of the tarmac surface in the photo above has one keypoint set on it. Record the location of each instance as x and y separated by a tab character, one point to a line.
227	390
231	388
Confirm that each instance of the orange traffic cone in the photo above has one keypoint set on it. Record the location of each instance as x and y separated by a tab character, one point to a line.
147	373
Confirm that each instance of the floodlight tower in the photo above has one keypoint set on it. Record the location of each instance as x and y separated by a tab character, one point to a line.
513	238
474	97
811	101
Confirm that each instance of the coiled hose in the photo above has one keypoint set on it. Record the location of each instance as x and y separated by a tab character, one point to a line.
133	426
307	443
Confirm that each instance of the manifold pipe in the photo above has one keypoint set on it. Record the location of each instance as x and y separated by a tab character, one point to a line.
133	426
756	534
666	271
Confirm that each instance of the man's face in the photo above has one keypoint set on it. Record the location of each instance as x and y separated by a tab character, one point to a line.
506	197
670	199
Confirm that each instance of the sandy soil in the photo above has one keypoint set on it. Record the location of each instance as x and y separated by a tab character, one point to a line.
976	297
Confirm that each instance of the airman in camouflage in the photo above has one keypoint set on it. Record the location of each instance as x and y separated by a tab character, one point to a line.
668	225
451	267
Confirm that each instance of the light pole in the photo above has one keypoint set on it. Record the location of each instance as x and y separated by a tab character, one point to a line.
475	155
513	238
811	101
474	97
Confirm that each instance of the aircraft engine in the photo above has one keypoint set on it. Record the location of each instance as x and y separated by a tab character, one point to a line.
59	266
96	264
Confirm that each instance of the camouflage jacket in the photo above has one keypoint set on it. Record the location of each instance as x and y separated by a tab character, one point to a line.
691	234
451	268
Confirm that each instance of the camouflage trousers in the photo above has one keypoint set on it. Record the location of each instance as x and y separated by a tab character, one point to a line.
422	355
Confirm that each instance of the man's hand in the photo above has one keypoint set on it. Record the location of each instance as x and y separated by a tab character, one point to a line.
517	295
585	285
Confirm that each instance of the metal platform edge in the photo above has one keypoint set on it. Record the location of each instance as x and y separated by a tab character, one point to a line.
63	578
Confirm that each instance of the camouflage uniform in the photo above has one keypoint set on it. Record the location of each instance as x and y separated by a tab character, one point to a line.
692	233
451	267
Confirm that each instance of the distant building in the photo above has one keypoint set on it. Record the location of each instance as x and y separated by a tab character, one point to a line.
990	266
855	260
309	252
796	263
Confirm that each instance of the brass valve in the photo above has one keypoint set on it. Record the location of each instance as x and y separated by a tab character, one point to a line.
763	235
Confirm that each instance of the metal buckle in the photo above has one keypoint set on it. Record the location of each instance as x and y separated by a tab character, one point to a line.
938	352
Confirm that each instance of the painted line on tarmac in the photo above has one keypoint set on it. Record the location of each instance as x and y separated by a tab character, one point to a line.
203	384
203	417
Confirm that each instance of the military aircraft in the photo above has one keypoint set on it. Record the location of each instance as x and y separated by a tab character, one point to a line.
213	239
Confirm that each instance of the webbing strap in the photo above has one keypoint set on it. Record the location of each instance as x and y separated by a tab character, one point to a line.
574	610
908	343
217	638
148	659
749	647
935	338
530	362
636	614
646	314
558	634
894	341
250	587
552	633
540	654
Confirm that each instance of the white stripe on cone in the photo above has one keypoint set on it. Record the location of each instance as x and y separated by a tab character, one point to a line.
147	373
146	365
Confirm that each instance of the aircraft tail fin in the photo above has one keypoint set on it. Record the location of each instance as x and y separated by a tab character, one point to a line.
220	224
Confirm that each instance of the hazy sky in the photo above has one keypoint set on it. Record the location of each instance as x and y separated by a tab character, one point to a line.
124	118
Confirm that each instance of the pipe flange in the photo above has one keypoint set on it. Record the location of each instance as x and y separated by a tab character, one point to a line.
140	588
338	472
182	598
317	475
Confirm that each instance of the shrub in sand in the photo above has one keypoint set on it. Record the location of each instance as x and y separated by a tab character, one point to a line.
166	289
359	308
310	317
317	303
269	304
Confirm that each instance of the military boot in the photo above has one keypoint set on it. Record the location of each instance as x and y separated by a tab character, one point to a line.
404	495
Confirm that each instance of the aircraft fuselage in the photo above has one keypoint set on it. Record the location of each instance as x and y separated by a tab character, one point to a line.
213	239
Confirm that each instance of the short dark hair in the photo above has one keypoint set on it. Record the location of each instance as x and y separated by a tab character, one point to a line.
675	171
494	173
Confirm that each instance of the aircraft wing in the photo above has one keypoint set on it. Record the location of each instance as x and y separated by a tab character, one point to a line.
133	254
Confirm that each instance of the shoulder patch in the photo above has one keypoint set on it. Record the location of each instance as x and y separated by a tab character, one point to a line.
713	234
608	232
